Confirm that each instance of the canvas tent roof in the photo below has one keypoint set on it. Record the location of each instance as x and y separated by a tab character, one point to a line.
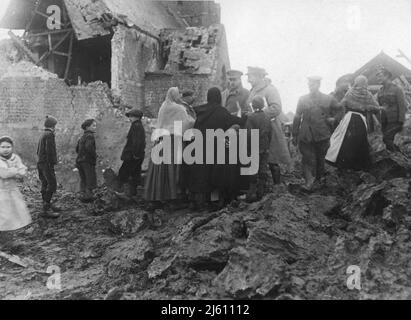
85	15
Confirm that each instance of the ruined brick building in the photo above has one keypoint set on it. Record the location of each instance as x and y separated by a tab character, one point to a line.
90	58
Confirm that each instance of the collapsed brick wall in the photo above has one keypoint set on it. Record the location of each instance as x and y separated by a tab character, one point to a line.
28	93
196	13
24	102
193	50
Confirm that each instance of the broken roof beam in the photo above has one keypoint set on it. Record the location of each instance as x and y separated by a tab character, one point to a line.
45	33
20	44
33	14
45	55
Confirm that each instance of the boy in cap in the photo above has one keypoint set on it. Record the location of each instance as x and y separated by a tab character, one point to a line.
260	121
47	159
235	96
86	160
133	153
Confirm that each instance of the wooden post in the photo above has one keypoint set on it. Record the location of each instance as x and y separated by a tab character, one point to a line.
70	52
22	46
50	43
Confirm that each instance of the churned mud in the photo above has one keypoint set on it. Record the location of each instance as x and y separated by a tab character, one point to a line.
289	245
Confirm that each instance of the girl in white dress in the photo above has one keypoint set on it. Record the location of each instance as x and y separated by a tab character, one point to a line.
13	210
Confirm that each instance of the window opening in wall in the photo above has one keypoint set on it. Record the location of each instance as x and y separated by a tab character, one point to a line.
197	42
182	64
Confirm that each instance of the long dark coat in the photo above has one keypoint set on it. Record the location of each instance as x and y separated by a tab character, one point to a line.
204	177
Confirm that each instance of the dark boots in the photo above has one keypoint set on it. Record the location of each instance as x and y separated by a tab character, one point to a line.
129	190
49	210
87	196
275	173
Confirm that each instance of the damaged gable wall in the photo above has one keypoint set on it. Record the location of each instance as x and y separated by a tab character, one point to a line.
144	68
193	49
195	59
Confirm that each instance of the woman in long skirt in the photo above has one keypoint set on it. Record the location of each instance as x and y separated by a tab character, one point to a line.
207	179
349	147
164	171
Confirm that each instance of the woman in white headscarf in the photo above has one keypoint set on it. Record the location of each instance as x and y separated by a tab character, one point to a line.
163	179
349	147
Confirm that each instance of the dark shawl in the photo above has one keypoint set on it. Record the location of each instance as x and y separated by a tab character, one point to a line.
210	116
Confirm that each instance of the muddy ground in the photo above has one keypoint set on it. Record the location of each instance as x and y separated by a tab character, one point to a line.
290	245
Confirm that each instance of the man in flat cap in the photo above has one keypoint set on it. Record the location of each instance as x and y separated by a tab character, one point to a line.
312	130
392	98
133	154
278	151
235	96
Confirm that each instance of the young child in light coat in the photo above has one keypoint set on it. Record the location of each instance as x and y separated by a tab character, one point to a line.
13	210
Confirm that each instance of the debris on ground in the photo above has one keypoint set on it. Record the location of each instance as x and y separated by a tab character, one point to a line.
288	245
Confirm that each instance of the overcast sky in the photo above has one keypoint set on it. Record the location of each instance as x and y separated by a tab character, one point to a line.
295	38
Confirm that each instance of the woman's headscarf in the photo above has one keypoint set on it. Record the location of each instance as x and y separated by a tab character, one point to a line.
214	100
361	82
8	140
173	96
214	97
359	95
173	110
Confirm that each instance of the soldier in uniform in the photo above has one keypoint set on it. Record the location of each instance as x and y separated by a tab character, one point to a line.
392	98
278	152
312	130
235	101
235	96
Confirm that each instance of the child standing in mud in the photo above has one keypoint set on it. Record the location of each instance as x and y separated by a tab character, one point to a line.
86	160
47	159
260	121
13	210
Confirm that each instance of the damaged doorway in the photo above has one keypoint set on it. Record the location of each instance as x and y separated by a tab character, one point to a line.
69	50
91	61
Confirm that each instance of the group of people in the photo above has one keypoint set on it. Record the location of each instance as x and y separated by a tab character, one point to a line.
212	186
326	127
335	127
